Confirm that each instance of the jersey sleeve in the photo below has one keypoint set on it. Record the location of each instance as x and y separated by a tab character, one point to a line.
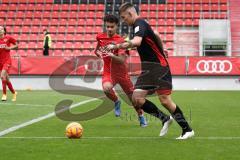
140	28
98	36
12	40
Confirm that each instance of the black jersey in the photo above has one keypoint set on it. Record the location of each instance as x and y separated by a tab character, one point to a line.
149	50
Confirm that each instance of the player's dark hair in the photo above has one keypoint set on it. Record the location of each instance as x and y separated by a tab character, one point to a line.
5	30
111	18
125	6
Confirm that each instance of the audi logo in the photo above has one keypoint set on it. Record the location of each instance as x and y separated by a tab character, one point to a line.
92	65
214	66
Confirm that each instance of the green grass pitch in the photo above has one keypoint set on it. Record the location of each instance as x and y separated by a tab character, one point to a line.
214	116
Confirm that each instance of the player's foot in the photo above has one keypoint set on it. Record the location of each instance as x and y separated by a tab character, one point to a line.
165	127
186	135
142	120
14	98
117	108
4	97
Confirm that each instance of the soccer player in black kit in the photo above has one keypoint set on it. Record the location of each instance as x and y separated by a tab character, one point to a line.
155	76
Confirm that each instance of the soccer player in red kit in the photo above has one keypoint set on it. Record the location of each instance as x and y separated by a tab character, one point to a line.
7	43
115	69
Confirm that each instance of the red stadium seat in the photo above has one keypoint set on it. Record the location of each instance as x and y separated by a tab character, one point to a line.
144	7
180	15
63	22
27	21
170	7
68	45
18	22
179	7
61	29
56	7
26	29
188	22
23	7
35	29
47	7
188	7
39	7
71	29
20	14
196	7
45	22
179	22
22	45
70	37
89	37
196	15
161	7
23	37
73	7
29	14
223	7
65	7
100	7
80	29
12	7
46	14
82	7
170	22
22	52
63	14
92	7
3	7
59	45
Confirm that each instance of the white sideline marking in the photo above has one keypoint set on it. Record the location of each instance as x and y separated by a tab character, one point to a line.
201	138
32	105
35	120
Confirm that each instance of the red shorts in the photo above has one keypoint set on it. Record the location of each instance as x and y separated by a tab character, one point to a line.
5	66
124	81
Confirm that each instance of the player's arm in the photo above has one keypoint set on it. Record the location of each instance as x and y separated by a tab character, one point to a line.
135	42
159	41
96	51
14	46
119	58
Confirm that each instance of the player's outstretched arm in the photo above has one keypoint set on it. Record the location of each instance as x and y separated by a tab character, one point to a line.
135	42
15	46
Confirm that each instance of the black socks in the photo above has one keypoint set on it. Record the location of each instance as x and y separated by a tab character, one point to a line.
179	117
151	109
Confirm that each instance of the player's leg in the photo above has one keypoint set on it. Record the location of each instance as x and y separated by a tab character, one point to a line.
140	101
107	86
10	87
177	114
128	88
4	85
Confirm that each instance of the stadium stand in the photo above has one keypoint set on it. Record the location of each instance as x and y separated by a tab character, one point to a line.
71	22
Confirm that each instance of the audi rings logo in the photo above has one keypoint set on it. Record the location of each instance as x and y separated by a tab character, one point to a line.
214	66
94	65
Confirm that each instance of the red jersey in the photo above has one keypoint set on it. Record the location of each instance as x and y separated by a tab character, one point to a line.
5	54
110	65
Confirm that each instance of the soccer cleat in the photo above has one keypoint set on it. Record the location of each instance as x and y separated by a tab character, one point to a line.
14	98
142	120
4	97
117	108
186	135
165	127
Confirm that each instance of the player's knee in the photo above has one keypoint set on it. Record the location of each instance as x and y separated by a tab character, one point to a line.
138	102
107	89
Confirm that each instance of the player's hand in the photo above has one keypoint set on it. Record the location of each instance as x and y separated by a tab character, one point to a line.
110	47
166	53
7	48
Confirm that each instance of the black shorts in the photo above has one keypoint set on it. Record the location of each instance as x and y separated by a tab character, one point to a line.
154	78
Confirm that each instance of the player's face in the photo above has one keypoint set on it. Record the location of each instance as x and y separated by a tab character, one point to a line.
1	30
127	18
111	28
